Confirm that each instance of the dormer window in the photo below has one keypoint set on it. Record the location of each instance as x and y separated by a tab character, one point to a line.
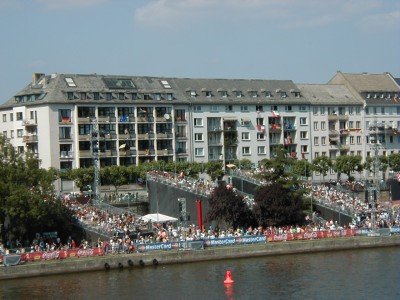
253	94
208	94
296	94
283	94
239	94
168	96
121	96
382	96
375	96
83	96
368	95
157	96
193	94
268	94
224	94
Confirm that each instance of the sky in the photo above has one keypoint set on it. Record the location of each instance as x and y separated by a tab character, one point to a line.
306	41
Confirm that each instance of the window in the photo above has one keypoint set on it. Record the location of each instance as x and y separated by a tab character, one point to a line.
198	137
358	140
208	94
315	125
304	149
228	108
70	95
382	110
12	134
83	96
323	125
323	153
274	107
198	122
288	108
168	96
245	136
246	150
323	141
244	108
351	110
303	135
315	110
268	94
5	134
11	117
259	108
316	141
4	118
19	116
96	96
224	94
260	136
70	82
352	140
283	95
303	121
351	124
261	149
199	151
303	108
358	124
197	108
108	96
359	152
193	94
316	154
239	94
20	149
65	133
254	94
214	108
322	109
19	132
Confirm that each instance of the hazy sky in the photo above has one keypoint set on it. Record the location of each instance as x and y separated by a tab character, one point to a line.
306	41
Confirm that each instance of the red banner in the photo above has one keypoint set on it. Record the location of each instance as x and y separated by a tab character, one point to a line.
310	235
62	254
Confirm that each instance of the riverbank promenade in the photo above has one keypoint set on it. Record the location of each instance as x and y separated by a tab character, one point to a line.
111	262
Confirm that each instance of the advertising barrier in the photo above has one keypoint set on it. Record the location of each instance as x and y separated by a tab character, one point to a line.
310	235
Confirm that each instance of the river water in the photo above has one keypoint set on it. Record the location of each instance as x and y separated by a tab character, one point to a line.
352	274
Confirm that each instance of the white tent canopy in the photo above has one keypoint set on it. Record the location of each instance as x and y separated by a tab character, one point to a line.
157	217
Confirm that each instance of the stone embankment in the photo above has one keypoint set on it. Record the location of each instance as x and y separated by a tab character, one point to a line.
138	260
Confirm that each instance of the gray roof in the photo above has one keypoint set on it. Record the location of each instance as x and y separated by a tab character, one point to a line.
328	94
54	88
366	82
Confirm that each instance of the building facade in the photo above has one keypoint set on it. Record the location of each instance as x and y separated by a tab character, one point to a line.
143	119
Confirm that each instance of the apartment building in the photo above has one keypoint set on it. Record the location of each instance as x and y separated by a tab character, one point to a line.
182	119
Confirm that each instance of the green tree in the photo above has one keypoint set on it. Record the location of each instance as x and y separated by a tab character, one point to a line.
276	205
302	168
83	177
394	162
116	176
215	169
322	164
27	200
226	207
347	164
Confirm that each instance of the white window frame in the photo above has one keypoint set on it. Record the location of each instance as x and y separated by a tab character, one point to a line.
246	150
198	122
303	121
198	137
245	136
198	152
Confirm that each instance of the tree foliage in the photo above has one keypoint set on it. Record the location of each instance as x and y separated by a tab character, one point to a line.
227	207
347	164
276	205
322	164
27	201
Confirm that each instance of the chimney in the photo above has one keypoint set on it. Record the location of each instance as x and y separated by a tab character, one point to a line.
36	77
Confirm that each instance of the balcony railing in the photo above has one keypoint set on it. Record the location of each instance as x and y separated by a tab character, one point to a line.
333	117
66	154
30	138
275	127
29	123
333	132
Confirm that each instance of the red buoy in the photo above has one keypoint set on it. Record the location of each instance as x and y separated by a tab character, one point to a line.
228	277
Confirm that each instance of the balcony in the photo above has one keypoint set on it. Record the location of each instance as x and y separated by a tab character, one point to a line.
164	135
106	153
126	119
30	139
85	153
344	131
343	117
274	141
27	123
162	119
180	136
144	119
289	127
66	154
333	132
344	147
214	143
66	138
165	152
105	119
181	151
85	120
180	120
65	121
276	128
333	117
84	137
143	136
126	136
146	152
288	141
130	152
214	129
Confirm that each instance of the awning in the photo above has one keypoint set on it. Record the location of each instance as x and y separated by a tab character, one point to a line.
230	118
123	146
157	217
275	114
231	166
